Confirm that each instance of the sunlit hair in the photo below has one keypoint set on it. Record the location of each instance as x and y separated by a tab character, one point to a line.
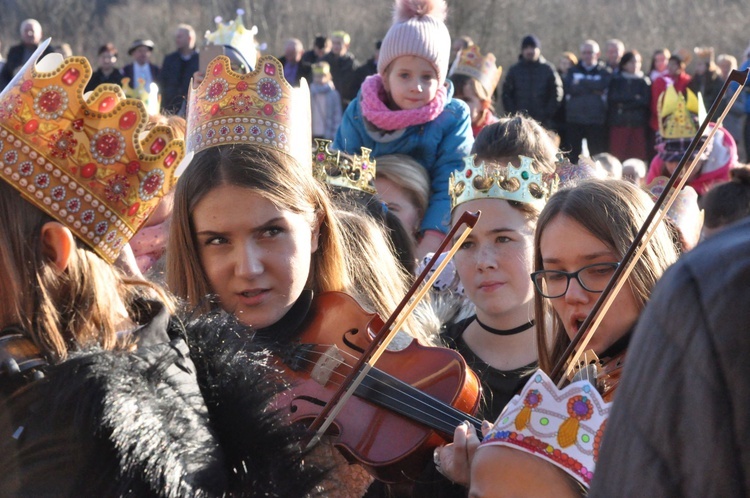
408	174
60	311
613	212
269	173
378	280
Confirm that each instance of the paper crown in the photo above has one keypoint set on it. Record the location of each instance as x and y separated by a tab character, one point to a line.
83	160
572	174
259	107
234	34
344	170
471	62
511	183
564	427
150	97
680	115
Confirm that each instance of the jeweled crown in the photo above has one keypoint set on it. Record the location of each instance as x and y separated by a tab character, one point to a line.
564	427
511	183
471	62
84	161
236	35
259	107
679	115
149	97
343	170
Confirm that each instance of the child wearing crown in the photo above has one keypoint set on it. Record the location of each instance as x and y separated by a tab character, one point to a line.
100	393
407	108
475	78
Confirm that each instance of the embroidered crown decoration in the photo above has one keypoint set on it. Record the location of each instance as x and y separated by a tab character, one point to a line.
84	160
258	107
564	426
680	115
470	62
511	183
344	170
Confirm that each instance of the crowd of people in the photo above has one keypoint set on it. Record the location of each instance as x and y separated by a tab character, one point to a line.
187	278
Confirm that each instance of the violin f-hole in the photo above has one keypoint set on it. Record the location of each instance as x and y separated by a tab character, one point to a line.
349	342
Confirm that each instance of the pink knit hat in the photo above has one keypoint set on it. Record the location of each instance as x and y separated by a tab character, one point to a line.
418	29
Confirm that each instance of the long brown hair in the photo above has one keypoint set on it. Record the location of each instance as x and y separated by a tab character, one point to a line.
59	311
270	173
613	211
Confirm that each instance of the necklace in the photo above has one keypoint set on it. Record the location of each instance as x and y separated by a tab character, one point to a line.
514	331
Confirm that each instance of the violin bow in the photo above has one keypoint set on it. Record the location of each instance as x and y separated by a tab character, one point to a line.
630	259
381	340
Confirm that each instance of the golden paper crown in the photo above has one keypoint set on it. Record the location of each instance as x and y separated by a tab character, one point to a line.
150	97
472	63
236	35
680	115
83	161
564	427
344	170
511	183
258	107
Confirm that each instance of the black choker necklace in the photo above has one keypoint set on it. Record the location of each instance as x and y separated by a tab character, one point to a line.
517	330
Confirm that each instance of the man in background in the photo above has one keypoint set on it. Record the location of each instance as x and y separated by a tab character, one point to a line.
178	69
31	36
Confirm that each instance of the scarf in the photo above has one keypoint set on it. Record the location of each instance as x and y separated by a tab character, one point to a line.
375	110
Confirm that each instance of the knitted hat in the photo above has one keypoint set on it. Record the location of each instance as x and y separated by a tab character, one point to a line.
418	29
530	41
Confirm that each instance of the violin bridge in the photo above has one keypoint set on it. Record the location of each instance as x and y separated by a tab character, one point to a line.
328	362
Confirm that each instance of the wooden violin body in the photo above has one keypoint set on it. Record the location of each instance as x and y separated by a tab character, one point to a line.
408	404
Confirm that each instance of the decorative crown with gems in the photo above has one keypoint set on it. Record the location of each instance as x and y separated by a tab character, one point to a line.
511	183
259	107
344	170
564	427
234	34
679	115
472	63
150	97
83	161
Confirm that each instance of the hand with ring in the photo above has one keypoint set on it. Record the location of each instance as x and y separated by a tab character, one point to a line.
454	460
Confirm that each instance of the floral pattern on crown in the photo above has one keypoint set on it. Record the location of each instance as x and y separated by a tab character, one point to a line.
354	172
83	159
470	62
564	426
511	183
259	107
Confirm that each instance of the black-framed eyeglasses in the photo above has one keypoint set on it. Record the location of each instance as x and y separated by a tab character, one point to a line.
555	283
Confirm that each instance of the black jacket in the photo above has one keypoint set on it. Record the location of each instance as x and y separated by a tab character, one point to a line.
680	425
164	421
98	78
628	100
176	74
586	94
17	57
304	70
533	88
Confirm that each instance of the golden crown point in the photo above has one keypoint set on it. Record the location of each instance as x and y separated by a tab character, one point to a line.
150	97
344	170
470	62
84	160
259	107
236	35
679	115
511	183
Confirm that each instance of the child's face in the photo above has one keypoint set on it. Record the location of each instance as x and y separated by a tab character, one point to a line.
476	106
411	82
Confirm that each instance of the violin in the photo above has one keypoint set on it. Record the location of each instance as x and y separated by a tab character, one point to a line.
603	373
405	407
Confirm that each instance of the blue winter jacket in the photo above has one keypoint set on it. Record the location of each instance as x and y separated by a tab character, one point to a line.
439	145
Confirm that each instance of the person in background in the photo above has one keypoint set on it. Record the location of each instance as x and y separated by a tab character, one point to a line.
294	67
628	104
178	69
727	203
367	69
659	62
613	51
676	77
707	79
106	72
474	78
320	49
141	68
31	35
325	103
734	122
343	63
634	170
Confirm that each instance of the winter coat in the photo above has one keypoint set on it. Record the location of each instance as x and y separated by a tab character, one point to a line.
533	88
439	145
325	104
680	425
628	100
163	421
176	74
586	94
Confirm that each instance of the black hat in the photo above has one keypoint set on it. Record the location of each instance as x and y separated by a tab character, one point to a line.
141	43
530	41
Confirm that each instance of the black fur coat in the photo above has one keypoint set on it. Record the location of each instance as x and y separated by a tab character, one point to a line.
181	416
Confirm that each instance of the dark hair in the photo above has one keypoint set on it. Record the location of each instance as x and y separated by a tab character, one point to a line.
627	57
676	58
378	44
320	41
730	201
107	47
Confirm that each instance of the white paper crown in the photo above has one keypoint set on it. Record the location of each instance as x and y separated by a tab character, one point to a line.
564	427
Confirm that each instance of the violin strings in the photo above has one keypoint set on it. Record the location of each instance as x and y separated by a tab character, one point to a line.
451	417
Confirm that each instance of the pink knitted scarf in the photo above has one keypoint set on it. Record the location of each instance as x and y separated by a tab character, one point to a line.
375	110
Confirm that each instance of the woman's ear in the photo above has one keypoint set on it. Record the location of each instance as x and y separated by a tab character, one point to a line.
57	244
